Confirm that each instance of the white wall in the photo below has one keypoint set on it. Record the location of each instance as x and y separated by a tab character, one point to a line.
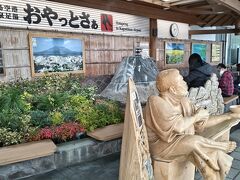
205	37
164	29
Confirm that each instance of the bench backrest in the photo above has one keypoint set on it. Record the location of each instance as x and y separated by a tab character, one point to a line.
135	161
209	96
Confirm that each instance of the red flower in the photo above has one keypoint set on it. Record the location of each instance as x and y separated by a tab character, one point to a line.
67	131
62	133
46	133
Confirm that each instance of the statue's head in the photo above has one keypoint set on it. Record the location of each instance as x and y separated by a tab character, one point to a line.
171	81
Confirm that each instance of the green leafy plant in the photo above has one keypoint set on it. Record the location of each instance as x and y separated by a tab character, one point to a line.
40	118
56	117
49	107
13	99
97	115
8	137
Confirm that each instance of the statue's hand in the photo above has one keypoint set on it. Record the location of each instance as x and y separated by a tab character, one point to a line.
201	115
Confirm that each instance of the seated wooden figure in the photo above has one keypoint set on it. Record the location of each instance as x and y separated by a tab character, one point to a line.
172	123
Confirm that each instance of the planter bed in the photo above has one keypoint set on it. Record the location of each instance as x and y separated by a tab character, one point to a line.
66	154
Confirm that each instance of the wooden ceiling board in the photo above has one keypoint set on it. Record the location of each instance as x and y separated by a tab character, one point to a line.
213	21
224	19
202	12
134	8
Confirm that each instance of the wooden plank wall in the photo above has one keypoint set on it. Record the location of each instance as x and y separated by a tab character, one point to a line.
103	53
160	60
15	53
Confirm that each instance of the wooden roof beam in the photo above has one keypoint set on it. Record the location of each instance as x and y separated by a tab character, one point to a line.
135	9
183	2
155	2
224	19
214	31
208	7
229	22
195	11
237	27
213	21
208	18
194	5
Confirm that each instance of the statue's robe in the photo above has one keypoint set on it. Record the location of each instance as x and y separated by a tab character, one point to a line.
161	117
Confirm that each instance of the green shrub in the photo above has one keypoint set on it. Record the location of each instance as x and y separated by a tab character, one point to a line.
40	118
68	114
93	116
50	101
56	117
15	100
11	119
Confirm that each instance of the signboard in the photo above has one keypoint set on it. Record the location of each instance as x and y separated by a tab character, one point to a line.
216	52
46	15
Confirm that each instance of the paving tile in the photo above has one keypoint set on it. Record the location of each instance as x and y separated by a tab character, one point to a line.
232	173
235	155
236	164
237	177
198	176
237	149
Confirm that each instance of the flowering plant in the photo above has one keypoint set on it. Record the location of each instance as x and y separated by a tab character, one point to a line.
61	133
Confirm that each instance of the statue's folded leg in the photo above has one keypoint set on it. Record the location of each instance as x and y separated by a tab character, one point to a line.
223	160
207	155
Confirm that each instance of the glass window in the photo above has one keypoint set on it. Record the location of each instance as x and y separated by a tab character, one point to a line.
234	49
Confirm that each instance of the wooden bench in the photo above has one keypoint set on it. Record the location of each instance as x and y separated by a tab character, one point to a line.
228	101
107	133
131	165
26	151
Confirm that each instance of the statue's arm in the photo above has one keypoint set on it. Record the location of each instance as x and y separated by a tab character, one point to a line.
184	123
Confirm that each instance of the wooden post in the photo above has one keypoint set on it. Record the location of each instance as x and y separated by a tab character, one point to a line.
237	27
153	38
135	161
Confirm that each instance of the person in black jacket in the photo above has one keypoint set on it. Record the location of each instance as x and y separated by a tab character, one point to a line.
199	71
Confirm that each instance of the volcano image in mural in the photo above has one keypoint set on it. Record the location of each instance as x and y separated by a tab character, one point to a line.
57	54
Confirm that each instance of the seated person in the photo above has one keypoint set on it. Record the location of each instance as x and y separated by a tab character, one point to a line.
172	121
225	81
199	71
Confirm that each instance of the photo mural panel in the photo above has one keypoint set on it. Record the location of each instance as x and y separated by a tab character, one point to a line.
174	52
200	49
61	54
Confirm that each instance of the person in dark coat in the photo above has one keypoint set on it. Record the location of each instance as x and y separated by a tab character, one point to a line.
199	71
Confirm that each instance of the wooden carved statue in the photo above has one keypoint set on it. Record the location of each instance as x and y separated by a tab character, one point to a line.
172	123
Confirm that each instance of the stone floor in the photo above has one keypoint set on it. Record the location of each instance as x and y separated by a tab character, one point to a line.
107	168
